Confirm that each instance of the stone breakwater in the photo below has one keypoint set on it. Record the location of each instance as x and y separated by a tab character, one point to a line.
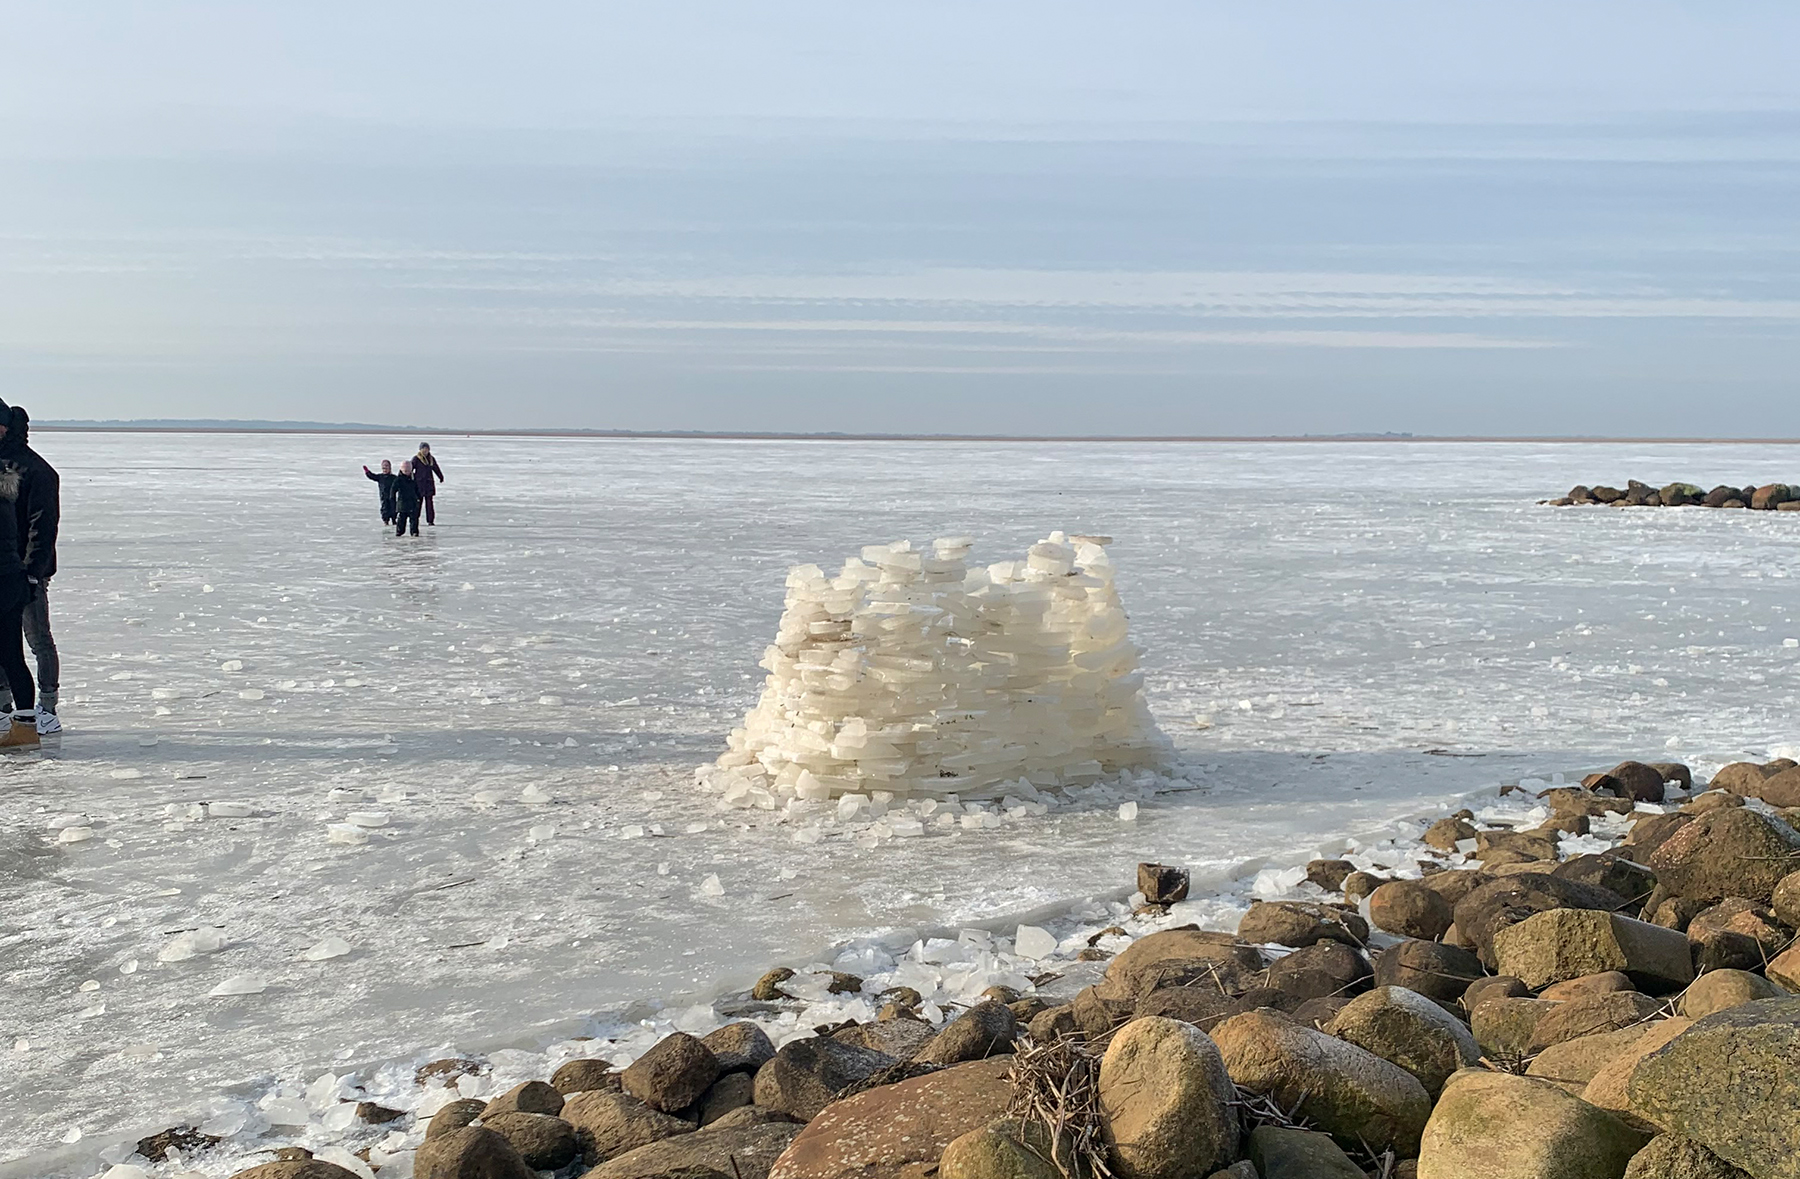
1770	497
1576	981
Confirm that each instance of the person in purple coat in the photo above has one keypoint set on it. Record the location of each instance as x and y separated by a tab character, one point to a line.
427	474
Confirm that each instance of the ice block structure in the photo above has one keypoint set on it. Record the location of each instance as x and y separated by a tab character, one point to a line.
911	672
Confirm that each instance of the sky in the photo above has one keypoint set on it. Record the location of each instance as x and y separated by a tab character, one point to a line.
1003	218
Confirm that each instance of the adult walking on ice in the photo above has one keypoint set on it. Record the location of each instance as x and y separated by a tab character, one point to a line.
28	517
428	475
406	501
384	486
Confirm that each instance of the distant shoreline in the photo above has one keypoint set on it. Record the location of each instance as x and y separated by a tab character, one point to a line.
126	427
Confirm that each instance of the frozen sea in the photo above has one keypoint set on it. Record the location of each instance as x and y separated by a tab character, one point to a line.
1371	628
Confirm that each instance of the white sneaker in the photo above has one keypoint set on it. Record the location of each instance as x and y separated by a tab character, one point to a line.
47	723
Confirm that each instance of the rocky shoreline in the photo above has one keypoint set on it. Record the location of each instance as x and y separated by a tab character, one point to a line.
1592	981
1769	497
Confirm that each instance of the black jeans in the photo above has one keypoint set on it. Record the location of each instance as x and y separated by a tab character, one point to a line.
15	593
43	649
404	517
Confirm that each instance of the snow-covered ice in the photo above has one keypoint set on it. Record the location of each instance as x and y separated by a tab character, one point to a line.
1368	630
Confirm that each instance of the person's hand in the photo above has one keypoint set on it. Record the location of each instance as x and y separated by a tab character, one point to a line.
32	586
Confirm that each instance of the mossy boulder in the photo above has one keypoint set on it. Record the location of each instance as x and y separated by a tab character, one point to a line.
1500	1126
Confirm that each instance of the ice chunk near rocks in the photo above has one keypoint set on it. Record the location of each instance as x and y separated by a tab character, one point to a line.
1030	941
542	833
327	948
230	810
533	795
1128	812
239	984
64	821
346	833
75	835
710	887
250	694
284	1111
232	665
205	940
367	818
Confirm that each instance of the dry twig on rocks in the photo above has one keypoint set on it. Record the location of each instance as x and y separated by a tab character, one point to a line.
1056	1085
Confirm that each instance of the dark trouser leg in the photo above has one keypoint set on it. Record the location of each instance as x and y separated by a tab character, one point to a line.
36	620
431	509
412	520
399	523
12	645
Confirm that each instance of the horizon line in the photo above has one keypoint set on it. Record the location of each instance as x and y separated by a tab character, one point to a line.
259	426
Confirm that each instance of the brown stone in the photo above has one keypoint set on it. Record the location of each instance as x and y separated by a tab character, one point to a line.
1562	944
672	1074
472	1152
1780	790
1299	923
1498	986
1162	884
454	1116
578	1076
1590	1016
879	1133
1727	853
1493	907
1329	874
544	1141
609	1124
1435	970
1407	908
530	1097
1603	983
1326	968
744	1144
1637	781
1176	956
806	1075
1718	990
1444	834
1505	1028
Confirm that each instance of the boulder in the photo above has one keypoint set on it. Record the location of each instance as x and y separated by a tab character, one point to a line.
1300	923
1737	933
1162	884
1739	777
1446	833
1591	1015
530	1097
898	1038
740	1047
1670	1156
297	1169
1676	772
1498	986
544	1141
1316	1013
1242	1169
1730	1083
454	1116
805	1075
1712	800
578	1076
1785	900
1199	1006
1717	990
1637	781
1520	846
1588	984
1346	1091
1561	944
610	1124
1650	832
1175	956
1505	1027
1672	912
1454	885
1358	885
1493	907
1609	1087
1281	1152
1735	852
1166	1101
1574	1063
181	1139
1327	968
1329	874
1577	800
1433	969
1779	790
1407	908
743	1145
1784	971
879	1133
447	1070
730	1092
1770	496
1407	1029
1096	1015
1501	1126
471	1152
672	1074
1612	872
984	1030
1006	1149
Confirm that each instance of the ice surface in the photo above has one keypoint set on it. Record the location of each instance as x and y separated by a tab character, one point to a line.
1358	595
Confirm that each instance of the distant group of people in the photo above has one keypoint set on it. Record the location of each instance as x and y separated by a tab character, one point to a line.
32	490
413	489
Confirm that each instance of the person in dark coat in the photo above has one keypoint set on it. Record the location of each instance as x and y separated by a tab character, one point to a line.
16	587
384	485
428	475
39	514
406	501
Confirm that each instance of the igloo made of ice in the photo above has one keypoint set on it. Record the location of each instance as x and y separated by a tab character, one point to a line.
914	673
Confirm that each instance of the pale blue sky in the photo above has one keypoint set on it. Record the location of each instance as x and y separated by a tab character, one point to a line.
1041	218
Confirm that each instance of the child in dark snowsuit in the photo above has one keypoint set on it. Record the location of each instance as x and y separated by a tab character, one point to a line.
384	483
406	501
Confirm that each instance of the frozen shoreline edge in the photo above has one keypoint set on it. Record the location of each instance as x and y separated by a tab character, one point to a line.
79	1159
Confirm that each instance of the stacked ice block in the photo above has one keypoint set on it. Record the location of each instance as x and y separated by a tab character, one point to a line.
912	673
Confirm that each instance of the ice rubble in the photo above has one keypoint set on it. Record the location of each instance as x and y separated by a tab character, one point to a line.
911	674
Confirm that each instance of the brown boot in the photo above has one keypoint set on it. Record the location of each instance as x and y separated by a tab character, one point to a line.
22	735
